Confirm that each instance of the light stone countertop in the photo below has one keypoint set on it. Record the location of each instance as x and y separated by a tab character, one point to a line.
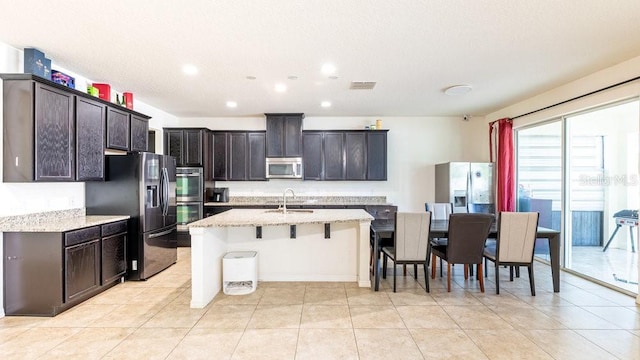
55	221
266	217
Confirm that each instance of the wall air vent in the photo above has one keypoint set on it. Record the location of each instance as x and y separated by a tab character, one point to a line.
362	85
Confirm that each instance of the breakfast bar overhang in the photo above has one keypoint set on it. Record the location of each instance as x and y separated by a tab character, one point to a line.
299	245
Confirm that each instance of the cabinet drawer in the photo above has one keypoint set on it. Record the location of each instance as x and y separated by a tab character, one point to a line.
114	228
78	236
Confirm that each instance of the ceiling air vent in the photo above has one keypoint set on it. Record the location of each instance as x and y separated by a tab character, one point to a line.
362	85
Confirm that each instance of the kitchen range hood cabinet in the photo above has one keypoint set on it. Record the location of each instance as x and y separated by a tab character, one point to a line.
284	135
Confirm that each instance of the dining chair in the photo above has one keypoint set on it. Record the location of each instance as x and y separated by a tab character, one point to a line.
410	243
439	211
514	245
380	213
465	245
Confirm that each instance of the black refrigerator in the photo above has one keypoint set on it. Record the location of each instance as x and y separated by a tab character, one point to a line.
141	185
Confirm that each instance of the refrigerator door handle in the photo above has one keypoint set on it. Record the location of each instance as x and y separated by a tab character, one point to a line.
161	192
165	192
166	232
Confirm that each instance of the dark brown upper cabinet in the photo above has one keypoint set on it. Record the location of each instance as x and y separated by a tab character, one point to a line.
312	155
39	132
257	168
187	145
118	129
55	133
377	155
284	135
90	127
139	133
239	155
220	155
345	155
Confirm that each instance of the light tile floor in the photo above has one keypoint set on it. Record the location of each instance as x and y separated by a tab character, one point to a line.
618	267
152	320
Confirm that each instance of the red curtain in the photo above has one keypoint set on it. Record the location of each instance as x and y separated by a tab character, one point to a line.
505	164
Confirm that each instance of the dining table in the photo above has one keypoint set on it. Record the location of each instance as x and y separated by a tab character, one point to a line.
440	229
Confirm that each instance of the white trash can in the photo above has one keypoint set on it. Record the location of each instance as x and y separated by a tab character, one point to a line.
239	272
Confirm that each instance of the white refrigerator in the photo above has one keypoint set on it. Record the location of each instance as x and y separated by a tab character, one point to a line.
469	186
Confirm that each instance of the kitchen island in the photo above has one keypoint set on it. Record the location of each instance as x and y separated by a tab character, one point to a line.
301	245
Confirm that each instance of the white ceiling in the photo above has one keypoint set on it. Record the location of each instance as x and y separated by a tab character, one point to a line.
507	50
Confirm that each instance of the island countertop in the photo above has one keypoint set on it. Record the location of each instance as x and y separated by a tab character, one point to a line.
265	217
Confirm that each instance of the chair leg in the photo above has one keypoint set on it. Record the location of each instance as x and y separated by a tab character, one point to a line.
415	271
395	269
404	269
433	266
497	277
426	277
510	273
480	277
448	276
517	271
486	267
441	267
466	271
531	282
384	266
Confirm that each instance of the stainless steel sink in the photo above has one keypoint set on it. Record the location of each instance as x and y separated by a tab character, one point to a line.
281	211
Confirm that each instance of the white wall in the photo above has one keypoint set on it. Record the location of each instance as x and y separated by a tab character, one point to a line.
598	80
415	145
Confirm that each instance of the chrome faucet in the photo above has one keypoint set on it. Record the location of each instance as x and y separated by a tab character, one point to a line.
284	199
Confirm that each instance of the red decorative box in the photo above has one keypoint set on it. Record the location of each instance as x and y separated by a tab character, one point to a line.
104	91
128	100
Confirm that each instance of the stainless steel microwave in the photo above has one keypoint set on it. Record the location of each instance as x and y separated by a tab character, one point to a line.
284	168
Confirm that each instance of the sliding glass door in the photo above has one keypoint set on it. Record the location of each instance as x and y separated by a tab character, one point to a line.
580	173
602	153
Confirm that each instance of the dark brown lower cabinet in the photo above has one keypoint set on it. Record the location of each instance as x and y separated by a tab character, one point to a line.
46	273
114	251
81	269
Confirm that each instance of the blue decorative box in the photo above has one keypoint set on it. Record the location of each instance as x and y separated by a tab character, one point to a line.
34	62
63	79
47	69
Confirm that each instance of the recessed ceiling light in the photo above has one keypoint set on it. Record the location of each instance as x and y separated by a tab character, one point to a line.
280	87
458	89
325	104
232	104
292	77
251	77
328	69
333	77
190	69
